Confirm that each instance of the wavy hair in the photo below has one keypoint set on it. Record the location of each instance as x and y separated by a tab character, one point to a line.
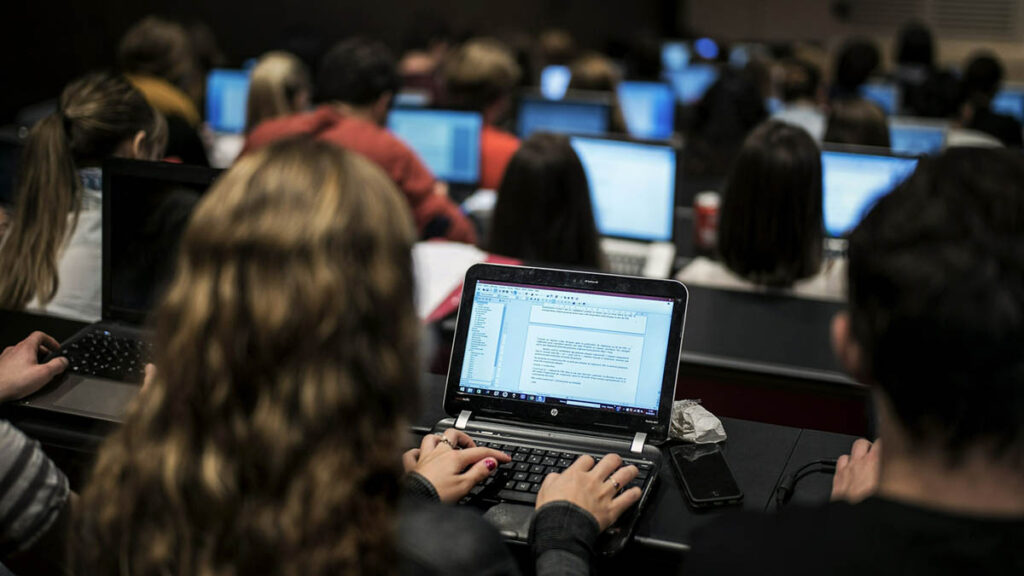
269	441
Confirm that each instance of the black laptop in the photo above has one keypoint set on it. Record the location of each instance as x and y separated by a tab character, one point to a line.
548	365
146	206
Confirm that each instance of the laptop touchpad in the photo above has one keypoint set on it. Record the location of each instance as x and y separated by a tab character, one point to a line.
102	397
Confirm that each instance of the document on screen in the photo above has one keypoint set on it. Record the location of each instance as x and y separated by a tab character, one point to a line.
482	348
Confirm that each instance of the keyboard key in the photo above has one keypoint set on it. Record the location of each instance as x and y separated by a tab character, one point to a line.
535	478
568	456
523	486
535	459
518	497
535	488
519	457
521	467
551	453
520	476
537	451
552	470
549	461
563	463
537	469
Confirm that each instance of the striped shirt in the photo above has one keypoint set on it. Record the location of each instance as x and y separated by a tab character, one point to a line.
33	491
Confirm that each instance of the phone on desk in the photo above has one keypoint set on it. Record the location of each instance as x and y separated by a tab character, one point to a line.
705	475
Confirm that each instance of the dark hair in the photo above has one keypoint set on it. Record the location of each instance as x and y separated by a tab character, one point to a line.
357	72
858	122
543	212
157	47
770	225
982	77
730	109
936	287
801	80
915	46
856	62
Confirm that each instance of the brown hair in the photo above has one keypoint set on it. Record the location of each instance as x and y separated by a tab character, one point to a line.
97	114
595	71
857	121
269	441
158	47
480	73
277	80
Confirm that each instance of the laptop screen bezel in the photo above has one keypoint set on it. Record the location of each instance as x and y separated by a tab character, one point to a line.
860	151
588	419
163	172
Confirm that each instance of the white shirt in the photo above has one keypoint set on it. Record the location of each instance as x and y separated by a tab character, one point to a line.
828	284
806	116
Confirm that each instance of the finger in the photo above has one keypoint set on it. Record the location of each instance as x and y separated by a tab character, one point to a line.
149	375
410	458
860	448
459	438
610	463
471	456
622	477
876	448
584	463
39	339
479	471
429	442
842	463
623	501
54	367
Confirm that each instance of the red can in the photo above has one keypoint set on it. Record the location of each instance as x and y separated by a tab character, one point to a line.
705	220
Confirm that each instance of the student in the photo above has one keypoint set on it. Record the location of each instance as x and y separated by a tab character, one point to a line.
770	221
481	75
596	72
156	56
857	122
981	82
858	59
269	439
51	254
279	85
801	96
935	327
355	85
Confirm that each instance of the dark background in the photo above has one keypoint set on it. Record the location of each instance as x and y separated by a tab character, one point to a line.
53	41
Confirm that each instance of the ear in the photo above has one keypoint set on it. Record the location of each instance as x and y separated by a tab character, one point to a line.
382	106
138	147
846	349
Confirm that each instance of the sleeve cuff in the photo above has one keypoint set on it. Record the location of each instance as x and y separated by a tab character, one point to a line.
417	487
564	526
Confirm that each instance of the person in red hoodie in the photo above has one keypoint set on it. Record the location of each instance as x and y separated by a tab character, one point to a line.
356	83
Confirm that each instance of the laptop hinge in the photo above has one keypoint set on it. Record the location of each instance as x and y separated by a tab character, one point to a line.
638	442
463	419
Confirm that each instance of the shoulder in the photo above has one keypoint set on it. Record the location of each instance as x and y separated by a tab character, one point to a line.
498	139
828	284
269	131
707	272
436	538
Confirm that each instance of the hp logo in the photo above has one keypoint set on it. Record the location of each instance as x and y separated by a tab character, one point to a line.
554	411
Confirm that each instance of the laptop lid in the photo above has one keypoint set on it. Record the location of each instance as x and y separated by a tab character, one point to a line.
917	136
588	351
227	96
632	186
691	83
675	55
146	206
649	109
576	113
554	81
853	180
448	141
1010	101
886	94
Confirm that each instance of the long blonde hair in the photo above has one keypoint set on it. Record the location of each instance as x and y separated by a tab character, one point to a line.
269	442
277	81
97	114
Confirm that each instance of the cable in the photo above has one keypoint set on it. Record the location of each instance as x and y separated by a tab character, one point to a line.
785	489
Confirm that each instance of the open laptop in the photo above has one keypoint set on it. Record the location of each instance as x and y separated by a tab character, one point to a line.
577	113
448	141
548	365
917	136
632	191
146	206
886	94
649	109
853	180
227	97
692	82
554	81
675	55
1010	101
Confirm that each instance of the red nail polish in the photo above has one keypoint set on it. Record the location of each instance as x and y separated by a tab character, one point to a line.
491	464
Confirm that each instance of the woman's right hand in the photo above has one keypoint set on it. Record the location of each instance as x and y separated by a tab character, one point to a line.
593	488
452	463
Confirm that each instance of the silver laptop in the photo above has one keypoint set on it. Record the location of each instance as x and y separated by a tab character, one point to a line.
548	365
633	190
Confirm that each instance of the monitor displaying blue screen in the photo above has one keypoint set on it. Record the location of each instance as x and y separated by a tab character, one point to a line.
554	81
562	117
692	82
885	94
448	141
648	108
227	95
912	139
585	349
413	98
632	187
852	183
675	55
1010	101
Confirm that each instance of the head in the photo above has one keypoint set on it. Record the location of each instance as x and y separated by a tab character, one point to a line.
857	60
858	122
915	46
982	78
594	71
158	47
543	212
770	224
936	306
278	86
801	81
270	440
557	46
360	73
481	75
723	118
99	116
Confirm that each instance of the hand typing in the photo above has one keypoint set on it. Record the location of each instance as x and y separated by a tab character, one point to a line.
452	463
593	487
20	371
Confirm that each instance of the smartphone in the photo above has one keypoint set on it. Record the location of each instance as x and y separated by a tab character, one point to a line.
706	478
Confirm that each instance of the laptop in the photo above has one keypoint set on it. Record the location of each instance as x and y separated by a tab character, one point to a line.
577	113
1010	101
649	109
227	97
146	206
632	191
917	136
548	365
448	141
554	81
691	83
853	180
675	55
887	95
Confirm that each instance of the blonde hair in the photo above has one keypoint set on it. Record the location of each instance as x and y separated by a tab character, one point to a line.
276	81
595	71
97	114
480	73
269	441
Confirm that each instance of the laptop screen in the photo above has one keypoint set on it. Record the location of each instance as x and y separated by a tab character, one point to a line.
853	182
1010	101
632	187
675	55
448	141
227	94
916	139
692	82
649	109
557	346
146	208
554	81
562	117
885	94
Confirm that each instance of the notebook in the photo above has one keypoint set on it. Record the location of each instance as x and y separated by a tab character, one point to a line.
649	109
448	141
576	113
852	181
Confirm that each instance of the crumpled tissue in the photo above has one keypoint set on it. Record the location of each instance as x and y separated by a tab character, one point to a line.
692	422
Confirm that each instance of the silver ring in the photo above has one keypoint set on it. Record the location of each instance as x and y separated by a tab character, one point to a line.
615	483
443	438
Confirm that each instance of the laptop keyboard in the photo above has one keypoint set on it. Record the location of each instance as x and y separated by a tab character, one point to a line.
102	354
519	480
627	264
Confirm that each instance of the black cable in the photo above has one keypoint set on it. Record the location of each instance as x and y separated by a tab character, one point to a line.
784	491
